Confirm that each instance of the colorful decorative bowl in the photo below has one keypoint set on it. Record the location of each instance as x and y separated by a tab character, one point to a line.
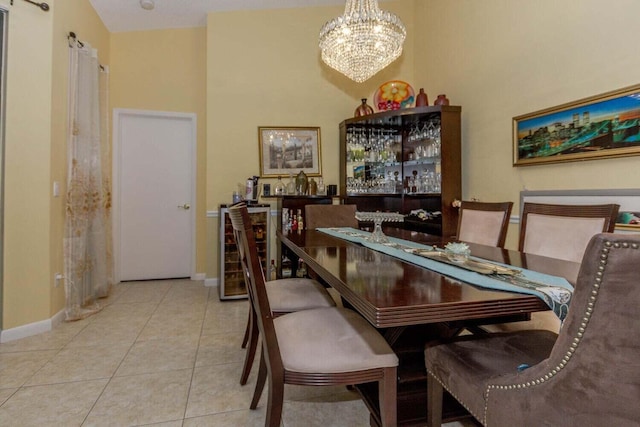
394	95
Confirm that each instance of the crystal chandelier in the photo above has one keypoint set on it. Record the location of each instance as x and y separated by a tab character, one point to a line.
363	41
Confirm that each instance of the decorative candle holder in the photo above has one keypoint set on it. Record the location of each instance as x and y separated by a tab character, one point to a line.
377	236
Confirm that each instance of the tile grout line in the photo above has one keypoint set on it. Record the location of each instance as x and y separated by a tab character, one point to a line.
195	359
123	358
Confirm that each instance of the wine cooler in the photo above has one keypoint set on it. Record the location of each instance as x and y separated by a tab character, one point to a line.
231	280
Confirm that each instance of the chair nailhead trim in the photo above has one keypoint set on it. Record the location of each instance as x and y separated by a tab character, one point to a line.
454	395
604	254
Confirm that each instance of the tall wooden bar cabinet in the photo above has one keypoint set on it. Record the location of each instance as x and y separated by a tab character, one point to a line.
405	161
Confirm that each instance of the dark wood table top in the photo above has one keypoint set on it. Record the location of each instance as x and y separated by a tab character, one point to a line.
390	292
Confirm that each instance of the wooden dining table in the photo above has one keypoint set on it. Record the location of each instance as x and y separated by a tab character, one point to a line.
412	305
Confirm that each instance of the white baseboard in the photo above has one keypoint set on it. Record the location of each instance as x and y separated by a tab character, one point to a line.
199	276
58	318
31	329
211	282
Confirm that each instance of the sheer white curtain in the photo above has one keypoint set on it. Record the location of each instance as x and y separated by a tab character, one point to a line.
88	260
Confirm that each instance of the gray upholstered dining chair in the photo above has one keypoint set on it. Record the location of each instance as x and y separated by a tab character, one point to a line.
285	296
589	375
318	216
563	231
484	223
323	346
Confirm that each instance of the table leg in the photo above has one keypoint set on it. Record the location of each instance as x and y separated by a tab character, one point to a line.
408	342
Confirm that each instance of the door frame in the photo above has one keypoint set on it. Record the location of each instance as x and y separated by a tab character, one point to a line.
119	113
4	28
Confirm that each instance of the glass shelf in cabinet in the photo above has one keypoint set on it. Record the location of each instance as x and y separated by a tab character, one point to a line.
372	194
423	161
423	194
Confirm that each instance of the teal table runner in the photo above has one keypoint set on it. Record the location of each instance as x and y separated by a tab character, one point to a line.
554	291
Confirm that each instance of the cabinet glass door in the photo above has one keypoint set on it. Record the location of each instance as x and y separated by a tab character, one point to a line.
374	155
231	281
422	156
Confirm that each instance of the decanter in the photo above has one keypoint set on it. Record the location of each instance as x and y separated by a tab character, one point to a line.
302	184
291	185
322	189
313	187
279	188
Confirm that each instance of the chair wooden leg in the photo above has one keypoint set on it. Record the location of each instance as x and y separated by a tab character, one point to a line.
387	394
262	378
276	399
434	402
251	350
247	330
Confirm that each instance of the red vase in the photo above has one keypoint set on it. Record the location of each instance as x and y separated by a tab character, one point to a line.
441	100
421	99
363	109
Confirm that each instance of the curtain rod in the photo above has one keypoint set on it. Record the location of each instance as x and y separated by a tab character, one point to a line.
44	6
73	39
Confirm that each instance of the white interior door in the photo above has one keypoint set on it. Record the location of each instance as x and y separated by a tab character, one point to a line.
154	194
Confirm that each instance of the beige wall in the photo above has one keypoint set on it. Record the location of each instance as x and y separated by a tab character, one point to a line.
164	70
35	152
496	58
27	171
503	58
264	69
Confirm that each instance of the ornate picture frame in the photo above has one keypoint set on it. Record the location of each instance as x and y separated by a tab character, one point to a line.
285	150
602	126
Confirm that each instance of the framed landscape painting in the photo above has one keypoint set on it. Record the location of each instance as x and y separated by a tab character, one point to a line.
285	150
606	125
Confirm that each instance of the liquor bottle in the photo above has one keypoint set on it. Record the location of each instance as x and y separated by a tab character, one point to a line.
322	189
302	269
272	270
286	267
300	220
313	187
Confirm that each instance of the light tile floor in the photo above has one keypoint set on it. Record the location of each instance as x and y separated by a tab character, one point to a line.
161	353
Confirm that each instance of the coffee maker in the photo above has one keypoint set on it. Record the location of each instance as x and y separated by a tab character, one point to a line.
252	190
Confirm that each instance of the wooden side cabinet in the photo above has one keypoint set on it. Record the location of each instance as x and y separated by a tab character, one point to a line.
285	266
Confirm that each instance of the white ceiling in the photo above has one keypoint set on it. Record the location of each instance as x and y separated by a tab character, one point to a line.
127	15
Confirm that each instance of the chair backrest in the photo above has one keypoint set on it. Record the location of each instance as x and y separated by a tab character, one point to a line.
318	216
563	231
592	375
484	223
247	249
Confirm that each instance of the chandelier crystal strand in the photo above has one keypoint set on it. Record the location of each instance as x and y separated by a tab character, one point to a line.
363	41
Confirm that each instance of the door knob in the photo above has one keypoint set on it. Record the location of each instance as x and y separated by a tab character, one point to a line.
186	206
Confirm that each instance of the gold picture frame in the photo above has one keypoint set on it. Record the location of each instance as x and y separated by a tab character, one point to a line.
285	150
602	126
